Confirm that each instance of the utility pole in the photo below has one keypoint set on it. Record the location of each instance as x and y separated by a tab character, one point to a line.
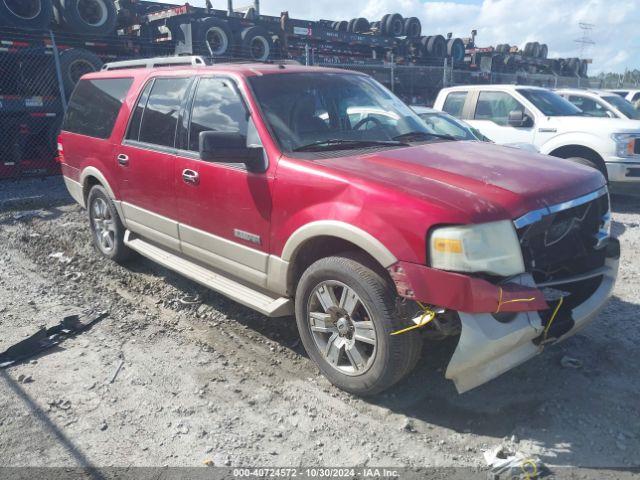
585	41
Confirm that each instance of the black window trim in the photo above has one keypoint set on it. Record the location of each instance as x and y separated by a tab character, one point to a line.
149	84
152	146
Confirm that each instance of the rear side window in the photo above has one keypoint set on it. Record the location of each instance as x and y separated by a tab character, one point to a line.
454	103
160	116
94	106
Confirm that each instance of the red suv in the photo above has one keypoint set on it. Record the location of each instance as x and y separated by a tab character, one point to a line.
317	192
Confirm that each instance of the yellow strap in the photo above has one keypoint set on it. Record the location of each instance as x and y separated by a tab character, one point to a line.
425	318
553	317
515	300
534	469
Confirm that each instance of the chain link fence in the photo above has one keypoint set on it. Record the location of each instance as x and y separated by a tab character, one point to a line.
39	69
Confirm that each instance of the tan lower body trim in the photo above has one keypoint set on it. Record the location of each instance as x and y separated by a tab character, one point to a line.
235	252
154	235
75	190
225	264
239	261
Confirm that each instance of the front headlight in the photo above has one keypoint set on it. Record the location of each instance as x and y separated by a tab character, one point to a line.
625	143
491	248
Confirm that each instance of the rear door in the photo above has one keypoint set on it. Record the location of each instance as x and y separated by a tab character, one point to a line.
490	116
146	161
224	210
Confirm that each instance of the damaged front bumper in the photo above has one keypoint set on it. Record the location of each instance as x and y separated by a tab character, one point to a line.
490	345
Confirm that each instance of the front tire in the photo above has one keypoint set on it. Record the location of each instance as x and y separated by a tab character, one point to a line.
106	228
590	163
345	311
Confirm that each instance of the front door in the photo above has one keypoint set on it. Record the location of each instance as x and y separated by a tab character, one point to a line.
223	209
147	161
491	118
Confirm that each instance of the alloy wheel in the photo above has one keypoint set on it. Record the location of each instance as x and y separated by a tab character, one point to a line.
104	226
341	328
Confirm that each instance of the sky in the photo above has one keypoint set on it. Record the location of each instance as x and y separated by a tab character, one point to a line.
616	33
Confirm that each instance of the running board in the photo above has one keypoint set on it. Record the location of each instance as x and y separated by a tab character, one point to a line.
247	296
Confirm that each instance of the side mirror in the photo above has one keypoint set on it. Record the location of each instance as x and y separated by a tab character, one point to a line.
519	119
228	147
610	114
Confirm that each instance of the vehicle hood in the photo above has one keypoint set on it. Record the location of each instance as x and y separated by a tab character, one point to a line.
597	125
481	181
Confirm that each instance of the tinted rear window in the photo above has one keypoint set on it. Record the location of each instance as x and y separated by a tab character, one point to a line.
94	106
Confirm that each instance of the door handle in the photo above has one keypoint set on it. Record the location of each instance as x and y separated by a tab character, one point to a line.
190	176
123	159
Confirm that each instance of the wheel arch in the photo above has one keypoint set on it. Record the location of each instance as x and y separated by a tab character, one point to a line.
326	238
92	176
582	151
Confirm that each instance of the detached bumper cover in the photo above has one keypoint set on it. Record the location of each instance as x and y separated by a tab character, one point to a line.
487	348
462	292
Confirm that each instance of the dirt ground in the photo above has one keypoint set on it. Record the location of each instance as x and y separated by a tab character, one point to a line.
214	381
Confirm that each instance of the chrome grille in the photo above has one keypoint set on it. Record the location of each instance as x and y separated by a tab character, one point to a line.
565	240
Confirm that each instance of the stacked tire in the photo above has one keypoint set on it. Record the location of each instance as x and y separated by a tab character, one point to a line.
536	50
213	36
434	46
87	17
33	14
74	63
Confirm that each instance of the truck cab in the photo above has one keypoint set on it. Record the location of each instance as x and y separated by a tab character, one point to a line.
317	194
514	113
600	103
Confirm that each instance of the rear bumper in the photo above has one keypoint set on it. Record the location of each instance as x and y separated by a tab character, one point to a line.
487	347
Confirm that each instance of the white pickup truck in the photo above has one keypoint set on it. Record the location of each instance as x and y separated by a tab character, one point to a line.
512	114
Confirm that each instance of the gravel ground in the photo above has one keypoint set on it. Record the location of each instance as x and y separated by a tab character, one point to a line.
215	382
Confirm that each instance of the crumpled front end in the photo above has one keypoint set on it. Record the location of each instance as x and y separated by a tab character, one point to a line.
571	269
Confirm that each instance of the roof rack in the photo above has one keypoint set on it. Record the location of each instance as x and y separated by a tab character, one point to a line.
156	62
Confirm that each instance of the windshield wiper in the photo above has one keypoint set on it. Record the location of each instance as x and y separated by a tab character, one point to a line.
412	135
344	144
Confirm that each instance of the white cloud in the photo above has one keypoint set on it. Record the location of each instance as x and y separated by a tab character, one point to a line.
499	21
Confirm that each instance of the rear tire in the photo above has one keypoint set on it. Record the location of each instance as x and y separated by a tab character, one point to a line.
350	340
106	228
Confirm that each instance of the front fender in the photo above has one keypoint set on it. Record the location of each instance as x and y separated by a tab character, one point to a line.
582	139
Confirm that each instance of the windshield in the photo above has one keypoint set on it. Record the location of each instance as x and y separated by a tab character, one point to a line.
445	124
624	106
335	111
549	103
